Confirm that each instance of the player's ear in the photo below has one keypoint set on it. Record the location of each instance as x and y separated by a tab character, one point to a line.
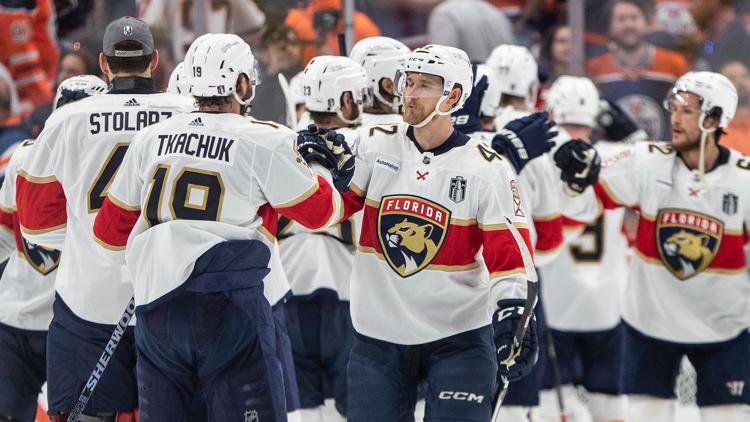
104	65
453	98
154	60
348	106
386	86
243	87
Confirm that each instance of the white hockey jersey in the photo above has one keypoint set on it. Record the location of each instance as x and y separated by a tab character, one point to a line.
371	119
427	214
320	259
688	281
27	286
539	186
64	182
199	179
583	286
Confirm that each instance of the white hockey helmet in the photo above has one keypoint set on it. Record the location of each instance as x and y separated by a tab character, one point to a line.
381	57
214	62
517	72
84	85
714	91
326	78
573	100
491	100
295	86
178	81
450	63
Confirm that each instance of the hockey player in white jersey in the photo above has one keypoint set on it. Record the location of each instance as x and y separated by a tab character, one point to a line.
381	57
195	203
27	285
318	263
60	188
420	302
687	294
517	73
583	287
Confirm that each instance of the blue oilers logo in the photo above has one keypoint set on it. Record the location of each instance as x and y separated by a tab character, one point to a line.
646	112
688	241
40	258
411	231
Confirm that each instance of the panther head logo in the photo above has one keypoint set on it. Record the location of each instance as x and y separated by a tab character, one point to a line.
687	241
43	259
411	231
413	242
691	251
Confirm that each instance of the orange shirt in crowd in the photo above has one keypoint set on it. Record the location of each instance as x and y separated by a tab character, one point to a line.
301	22
29	51
737	132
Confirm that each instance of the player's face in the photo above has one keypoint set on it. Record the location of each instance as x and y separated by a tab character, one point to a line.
628	27
685	109
421	94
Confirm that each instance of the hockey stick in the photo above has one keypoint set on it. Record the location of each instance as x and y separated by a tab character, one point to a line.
101	364
552	354
528	309
291	111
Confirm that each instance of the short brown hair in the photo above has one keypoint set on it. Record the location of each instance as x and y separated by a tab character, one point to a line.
137	64
645	8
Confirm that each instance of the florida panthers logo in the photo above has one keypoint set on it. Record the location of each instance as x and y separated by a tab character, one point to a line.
688	241
42	259
411	231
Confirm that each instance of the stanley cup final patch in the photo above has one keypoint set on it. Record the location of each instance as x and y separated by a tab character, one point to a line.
411	231
687	241
457	190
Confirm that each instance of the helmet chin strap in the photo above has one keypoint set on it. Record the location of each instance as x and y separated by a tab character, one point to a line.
702	150
394	105
435	112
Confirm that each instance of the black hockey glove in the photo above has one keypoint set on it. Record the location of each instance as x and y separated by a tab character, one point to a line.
312	147
343	168
329	149
505	322
617	124
524	139
580	165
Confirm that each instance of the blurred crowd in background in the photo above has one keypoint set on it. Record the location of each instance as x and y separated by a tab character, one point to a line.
634	49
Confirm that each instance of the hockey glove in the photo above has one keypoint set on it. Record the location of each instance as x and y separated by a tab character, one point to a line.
580	165
343	168
524	139
514	362
312	147
618	125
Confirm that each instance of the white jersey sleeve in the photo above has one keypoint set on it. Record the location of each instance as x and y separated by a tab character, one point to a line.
200	179
27	283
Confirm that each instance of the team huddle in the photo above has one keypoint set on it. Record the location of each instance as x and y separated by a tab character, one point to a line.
421	232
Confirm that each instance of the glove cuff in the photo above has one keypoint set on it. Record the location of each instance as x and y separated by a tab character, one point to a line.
510	303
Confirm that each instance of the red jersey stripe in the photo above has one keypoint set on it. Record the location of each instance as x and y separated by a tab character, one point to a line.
41	205
314	211
113	225
549	234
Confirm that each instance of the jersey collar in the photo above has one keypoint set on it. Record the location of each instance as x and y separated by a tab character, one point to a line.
721	160
457	139
131	85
